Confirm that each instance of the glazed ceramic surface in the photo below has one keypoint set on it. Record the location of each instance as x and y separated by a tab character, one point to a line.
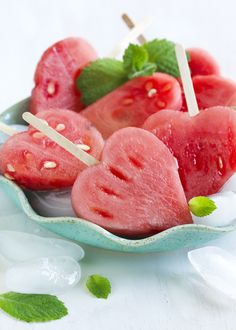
84	231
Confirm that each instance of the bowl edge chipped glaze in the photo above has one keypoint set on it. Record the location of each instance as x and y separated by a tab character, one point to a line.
80	230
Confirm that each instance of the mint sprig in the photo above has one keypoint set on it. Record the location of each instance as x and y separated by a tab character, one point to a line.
99	286
32	307
99	78
201	206
104	75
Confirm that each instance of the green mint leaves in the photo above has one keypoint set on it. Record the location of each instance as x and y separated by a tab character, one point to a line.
99	286
201	206
99	78
104	75
32	307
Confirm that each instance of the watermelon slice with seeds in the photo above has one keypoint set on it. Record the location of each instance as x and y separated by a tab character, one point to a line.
202	63
36	162
132	103
56	73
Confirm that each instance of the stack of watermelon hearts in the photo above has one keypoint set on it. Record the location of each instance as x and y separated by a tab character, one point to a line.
37	163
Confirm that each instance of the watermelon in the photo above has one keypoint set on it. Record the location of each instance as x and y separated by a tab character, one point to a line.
36	162
214	91
135	190
202	63
132	103
56	73
204	145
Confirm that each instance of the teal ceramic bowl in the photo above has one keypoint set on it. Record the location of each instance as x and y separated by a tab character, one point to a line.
80	230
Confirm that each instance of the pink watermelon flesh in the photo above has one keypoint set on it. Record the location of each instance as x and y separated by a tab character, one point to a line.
23	156
202	63
204	145
135	190
132	103
56	73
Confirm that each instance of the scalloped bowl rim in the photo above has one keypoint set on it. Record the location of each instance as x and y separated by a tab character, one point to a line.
29	211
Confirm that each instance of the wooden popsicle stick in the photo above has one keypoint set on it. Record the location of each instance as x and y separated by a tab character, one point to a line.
7	129
186	80
128	21
59	139
131	36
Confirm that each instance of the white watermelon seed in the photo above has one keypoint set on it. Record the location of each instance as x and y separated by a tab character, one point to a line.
49	164
38	135
60	127
51	88
10	168
152	92
8	176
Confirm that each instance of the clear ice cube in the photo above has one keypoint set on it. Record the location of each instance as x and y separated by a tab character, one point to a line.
217	267
224	215
50	275
18	246
54	203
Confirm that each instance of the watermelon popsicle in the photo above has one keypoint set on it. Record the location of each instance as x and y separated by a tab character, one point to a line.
56	72
204	144
202	63
37	163
130	193
132	103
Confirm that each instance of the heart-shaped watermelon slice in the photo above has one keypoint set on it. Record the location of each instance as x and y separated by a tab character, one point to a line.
135	190
36	162
56	73
132	103
204	145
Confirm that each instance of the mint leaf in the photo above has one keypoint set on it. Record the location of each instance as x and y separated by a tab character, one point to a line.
162	53
32	307
147	70
99	286
201	206
135	57
99	78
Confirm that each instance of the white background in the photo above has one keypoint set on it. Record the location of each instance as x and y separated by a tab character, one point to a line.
155	291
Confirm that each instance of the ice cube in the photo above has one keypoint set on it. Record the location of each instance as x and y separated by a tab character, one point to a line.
54	203
4	137
230	184
50	275
224	215
217	267
18	246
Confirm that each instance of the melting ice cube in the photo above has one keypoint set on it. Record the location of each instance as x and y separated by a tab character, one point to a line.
217	267
19	128
44	275
54	203
224	215
19	246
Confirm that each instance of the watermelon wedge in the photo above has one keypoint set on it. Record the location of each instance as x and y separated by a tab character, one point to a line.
202	63
204	145
35	162
135	190
56	73
132	103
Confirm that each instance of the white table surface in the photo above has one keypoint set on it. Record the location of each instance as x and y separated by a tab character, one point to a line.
149	292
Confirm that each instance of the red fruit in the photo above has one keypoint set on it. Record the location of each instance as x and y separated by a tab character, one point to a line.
214	91
135	190
202	63
132	103
56	73
204	145
36	162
